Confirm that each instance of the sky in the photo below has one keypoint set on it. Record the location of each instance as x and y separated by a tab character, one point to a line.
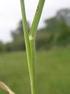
10	14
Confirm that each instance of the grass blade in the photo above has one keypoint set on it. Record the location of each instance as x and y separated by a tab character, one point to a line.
26	32
37	18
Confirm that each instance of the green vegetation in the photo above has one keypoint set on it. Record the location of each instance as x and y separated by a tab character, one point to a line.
52	70
55	33
2	92
29	37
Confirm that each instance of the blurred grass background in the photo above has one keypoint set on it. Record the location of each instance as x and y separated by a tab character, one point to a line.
52	71
53	57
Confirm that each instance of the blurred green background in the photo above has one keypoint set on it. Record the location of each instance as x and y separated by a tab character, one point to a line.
52	71
55	34
53	58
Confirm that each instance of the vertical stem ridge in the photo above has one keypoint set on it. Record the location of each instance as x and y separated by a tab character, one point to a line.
33	80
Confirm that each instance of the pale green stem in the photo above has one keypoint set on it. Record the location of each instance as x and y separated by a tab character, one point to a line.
37	18
25	28
30	41
30	59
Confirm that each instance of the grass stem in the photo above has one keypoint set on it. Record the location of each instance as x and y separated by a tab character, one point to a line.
30	41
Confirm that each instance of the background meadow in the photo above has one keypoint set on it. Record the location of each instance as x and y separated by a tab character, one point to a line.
52	71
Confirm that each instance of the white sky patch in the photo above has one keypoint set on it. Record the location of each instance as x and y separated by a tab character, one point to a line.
10	13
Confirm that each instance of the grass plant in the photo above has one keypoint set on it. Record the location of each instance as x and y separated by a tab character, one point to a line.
30	40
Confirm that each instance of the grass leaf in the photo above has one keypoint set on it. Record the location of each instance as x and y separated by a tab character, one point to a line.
37	18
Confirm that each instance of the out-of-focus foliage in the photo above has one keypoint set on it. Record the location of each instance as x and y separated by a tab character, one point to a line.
55	33
18	38
2	47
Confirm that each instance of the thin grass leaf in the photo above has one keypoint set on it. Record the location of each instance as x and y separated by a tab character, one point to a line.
37	18
28	49
32	43
26	32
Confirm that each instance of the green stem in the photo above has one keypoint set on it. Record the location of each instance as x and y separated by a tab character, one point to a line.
33	60
25	29
37	18
30	41
30	57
